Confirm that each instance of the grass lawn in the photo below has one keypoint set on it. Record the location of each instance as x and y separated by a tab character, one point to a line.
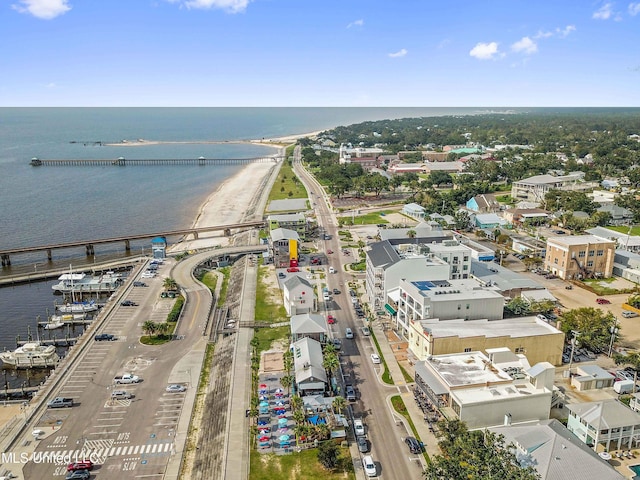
286	185
296	466
372	218
268	307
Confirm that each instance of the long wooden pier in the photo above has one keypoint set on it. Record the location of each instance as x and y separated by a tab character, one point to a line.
123	162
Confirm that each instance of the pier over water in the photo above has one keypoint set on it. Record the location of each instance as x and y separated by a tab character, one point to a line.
123	162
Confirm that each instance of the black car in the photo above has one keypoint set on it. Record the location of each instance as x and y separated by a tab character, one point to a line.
336	291
139	284
129	303
101	337
352	292
414	445
78	475
363	444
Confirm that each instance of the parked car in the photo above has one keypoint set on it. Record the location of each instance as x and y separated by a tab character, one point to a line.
358	426
350	393
128	303
336	291
369	466
78	475
413	444
352	292
83	465
176	388
375	358
365	331
629	314
542	317
348	333
139	284
329	251
363	444
602	301
282	275
331	319
101	337
293	269
121	395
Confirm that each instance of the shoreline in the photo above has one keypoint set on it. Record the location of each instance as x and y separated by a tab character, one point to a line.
274	142
217	209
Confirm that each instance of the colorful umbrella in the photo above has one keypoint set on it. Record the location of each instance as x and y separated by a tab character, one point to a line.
264	404
284	438
264	439
282	421
263	385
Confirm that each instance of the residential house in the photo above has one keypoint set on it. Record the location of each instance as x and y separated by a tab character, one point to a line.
619	215
519	216
485	203
414	210
476	390
291	221
489	221
554	452
310	375
298	296
580	256
609	423
309	325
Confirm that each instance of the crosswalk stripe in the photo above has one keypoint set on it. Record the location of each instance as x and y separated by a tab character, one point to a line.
135	450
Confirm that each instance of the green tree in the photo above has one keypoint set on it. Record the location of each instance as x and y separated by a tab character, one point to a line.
338	404
592	324
149	327
631	359
170	284
287	382
328	455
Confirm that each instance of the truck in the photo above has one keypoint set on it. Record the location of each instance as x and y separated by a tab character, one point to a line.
126	378
60	402
623	386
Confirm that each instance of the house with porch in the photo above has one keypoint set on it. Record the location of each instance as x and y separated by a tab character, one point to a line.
310	375
298	296
309	325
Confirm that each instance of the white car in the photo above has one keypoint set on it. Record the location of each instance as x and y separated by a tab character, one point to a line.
176	388
358	426
629	314
369	466
375	358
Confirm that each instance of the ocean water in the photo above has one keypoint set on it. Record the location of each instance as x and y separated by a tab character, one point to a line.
45	205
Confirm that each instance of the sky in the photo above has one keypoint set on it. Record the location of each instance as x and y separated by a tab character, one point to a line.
333	53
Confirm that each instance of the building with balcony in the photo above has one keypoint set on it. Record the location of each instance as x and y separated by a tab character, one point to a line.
609	423
580	256
284	246
535	188
309	325
310	375
291	221
298	296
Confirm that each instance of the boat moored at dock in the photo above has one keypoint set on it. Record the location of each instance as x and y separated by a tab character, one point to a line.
78	307
80	283
31	355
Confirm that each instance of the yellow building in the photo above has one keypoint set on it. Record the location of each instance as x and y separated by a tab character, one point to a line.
536	339
580	256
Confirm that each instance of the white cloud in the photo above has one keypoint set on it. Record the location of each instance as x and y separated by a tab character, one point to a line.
525	45
231	6
634	9
542	34
558	32
45	9
484	51
357	23
604	12
566	30
399	53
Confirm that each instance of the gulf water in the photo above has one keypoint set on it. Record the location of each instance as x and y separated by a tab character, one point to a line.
46	205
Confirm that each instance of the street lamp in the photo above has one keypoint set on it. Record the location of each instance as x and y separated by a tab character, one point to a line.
614	331
574	340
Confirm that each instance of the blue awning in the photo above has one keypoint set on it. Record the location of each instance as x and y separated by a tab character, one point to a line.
390	309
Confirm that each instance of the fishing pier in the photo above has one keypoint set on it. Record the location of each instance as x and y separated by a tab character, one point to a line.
146	162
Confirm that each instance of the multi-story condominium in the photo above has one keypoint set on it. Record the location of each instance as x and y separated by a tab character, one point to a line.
580	256
535	188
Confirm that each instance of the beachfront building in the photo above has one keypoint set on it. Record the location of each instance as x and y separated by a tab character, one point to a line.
535	188
476	389
579	256
309	325
530	336
284	247
298	296
555	453
609	423
310	375
291	221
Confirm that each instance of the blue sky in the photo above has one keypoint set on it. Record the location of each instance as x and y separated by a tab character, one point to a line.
320	53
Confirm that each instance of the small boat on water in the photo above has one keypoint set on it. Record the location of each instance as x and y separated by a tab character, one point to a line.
31	355
78	307
57	321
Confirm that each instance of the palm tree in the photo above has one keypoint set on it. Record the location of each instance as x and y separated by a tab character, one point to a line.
331	363
338	404
170	284
323	431
296	403
287	358
411	233
162	328
287	381
149	327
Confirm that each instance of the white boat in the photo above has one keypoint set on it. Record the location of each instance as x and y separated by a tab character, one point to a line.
73	283
31	355
78	307
54	322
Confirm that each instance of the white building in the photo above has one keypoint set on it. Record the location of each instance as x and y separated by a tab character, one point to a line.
476	390
298	296
609	423
311	377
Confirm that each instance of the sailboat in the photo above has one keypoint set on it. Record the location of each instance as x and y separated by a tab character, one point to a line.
74	307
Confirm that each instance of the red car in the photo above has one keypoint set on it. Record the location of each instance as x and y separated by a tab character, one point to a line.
293	269
331	319
82	465
329	251
602	301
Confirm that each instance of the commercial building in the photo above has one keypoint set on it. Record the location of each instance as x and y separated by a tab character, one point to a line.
284	246
474	388
580	256
535	188
291	221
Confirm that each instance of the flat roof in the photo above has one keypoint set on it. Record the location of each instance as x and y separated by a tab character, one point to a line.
507	327
469	368
485	394
577	240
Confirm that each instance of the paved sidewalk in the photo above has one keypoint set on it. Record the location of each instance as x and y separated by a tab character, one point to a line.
406	391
